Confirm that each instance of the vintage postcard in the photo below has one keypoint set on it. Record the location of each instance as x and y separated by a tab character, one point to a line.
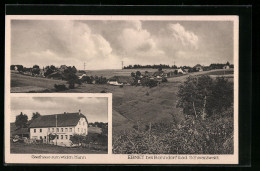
149	89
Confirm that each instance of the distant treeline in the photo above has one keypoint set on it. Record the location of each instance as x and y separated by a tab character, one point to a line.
149	66
163	66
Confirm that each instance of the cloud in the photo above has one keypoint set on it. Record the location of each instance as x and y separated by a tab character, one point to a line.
137	43
62	42
187	38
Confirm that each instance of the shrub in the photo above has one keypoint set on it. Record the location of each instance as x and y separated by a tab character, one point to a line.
60	87
164	79
152	83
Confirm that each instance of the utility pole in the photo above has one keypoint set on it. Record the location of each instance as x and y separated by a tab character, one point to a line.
122	64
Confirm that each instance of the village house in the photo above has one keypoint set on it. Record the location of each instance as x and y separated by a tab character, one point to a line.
63	126
226	67
198	68
120	80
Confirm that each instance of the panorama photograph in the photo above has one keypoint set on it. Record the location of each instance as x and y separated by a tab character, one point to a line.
172	81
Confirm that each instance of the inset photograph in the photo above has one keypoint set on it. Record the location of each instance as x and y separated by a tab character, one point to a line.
59	125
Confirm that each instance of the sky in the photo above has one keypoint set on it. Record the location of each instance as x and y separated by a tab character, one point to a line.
94	108
104	44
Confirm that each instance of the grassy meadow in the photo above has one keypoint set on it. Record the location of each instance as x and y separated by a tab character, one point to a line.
22	148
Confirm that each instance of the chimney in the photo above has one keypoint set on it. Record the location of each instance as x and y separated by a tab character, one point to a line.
79	112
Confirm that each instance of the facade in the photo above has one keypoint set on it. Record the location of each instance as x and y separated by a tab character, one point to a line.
62	126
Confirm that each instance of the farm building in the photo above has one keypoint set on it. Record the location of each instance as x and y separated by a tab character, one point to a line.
226	67
198	67
120	80
159	74
63	126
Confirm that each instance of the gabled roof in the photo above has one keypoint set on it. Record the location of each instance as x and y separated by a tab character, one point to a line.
63	120
198	65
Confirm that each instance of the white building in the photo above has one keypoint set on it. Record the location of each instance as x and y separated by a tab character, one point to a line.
226	67
63	126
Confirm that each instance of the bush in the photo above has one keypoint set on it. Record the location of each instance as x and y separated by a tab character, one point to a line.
164	79
60	87
152	83
211	136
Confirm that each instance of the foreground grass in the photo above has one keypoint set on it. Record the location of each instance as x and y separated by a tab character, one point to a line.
212	136
22	148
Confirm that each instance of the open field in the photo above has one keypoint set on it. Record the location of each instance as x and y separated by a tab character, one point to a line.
23	83
22	148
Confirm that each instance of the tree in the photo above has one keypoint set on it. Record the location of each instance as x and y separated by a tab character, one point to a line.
35	115
227	63
36	66
132	74
192	95
138	74
71	77
77	139
35	71
174	67
222	96
21	120
202	96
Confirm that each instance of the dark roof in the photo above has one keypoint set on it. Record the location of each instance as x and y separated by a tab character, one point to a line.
63	120
122	79
198	65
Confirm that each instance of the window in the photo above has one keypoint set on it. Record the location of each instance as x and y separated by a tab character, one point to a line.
81	129
45	137
52	129
61	137
61	129
34	130
48	129
70	129
70	136
40	130
79	122
57	129
78	129
41	137
57	137
66	129
66	137
85	130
